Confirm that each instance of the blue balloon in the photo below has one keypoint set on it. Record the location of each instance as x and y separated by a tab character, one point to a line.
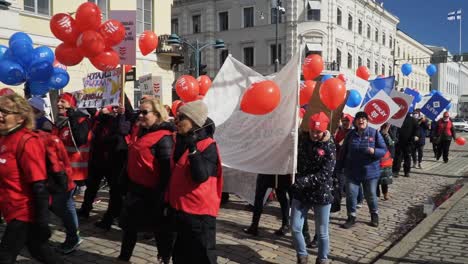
20	36
59	79
379	83
11	73
448	106
3	50
326	77
22	51
40	71
43	53
418	98
431	69
406	69
354	98
38	88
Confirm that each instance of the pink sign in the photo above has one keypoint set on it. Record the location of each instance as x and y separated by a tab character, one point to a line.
127	48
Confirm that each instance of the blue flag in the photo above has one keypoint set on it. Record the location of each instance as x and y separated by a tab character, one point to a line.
385	84
434	106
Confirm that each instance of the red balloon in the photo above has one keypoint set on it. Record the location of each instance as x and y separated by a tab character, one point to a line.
307	89
57	64
363	73
342	77
333	93
106	60
63	26
312	67
90	43
112	31
127	68
460	141
68	54
187	88
6	91
88	16
204	82
261	98
148	42
302	112
175	106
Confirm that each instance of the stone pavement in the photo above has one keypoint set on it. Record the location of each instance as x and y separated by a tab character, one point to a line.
361	244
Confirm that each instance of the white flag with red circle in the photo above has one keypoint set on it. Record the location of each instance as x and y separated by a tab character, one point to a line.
404	102
380	109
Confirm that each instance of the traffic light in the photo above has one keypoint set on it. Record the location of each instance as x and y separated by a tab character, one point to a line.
202	69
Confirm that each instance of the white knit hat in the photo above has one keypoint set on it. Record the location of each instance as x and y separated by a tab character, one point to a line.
197	111
37	103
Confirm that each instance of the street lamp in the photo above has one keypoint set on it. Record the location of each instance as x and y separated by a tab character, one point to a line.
277	5
197	47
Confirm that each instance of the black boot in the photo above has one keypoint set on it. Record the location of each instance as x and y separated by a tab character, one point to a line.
105	223
282	231
374	220
302	259
252	230
349	222
82	213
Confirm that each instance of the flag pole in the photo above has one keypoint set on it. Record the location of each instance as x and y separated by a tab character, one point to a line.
460	62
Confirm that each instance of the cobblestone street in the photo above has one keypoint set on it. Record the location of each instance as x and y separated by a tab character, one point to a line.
360	244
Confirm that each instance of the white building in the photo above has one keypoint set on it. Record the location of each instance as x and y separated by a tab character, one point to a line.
450	75
347	32
409	50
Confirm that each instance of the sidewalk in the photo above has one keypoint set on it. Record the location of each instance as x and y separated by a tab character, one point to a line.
360	244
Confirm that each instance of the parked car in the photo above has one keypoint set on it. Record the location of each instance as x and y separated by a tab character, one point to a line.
460	124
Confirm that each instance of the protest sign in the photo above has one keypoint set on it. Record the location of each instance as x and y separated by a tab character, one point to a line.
404	102
434	106
380	109
127	48
100	89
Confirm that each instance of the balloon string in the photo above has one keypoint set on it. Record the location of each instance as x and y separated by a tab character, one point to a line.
331	120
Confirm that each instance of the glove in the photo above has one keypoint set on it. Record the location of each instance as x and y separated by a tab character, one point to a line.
41	231
416	138
190	140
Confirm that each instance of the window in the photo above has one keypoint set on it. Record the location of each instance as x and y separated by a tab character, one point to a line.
103	6
41	7
144	15
339	16
249	56
196	24
175	26
390	39
368	31
368	64
376	35
273	53
273	16
398	52
222	56
338	57
223	18
350	22
360	27
376	68
350	61
390	71
359	61
383	69
313	13
248	17
383	38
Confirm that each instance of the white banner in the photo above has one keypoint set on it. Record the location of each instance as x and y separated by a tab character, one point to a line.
380	109
404	102
361	86
255	143
100	89
127	48
146	85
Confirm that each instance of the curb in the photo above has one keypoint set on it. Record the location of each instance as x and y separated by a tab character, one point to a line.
410	240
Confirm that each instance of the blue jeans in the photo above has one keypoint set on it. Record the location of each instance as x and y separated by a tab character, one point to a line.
63	206
321	217
352	192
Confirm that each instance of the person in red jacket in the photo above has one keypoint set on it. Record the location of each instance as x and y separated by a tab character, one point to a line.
195	185
445	132
24	199
148	169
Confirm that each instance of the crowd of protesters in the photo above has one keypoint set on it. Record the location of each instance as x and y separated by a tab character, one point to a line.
165	175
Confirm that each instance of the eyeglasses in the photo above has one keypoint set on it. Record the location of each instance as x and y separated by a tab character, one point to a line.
6	112
144	112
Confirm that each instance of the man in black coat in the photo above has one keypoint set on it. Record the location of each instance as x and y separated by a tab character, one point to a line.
406	135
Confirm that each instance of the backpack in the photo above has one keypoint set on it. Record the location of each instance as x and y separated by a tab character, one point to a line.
57	162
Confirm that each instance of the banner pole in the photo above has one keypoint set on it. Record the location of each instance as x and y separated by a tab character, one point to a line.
122	85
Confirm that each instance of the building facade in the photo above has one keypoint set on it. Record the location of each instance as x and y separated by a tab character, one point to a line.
409	50
33	16
347	33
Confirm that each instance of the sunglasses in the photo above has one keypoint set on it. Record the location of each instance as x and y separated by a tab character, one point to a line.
144	112
6	112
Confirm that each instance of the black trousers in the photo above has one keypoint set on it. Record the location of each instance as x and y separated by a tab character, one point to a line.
112	173
402	153
164	244
19	234
443	149
384	188
417	153
195	239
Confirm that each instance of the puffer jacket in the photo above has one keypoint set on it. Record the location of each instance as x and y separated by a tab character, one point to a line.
358	164
315	165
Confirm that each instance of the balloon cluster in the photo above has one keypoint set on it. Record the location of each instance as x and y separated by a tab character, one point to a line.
85	36
21	62
191	89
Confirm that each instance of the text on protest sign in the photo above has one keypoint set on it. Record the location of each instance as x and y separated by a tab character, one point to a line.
380	109
127	48
434	106
100	89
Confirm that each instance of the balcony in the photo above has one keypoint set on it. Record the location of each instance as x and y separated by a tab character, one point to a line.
168	50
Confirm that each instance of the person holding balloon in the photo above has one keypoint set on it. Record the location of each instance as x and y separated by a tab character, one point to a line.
445	131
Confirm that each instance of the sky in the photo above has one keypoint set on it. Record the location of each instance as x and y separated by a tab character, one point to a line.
426	21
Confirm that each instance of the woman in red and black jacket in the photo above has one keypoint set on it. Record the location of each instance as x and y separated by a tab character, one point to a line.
195	185
148	170
24	199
